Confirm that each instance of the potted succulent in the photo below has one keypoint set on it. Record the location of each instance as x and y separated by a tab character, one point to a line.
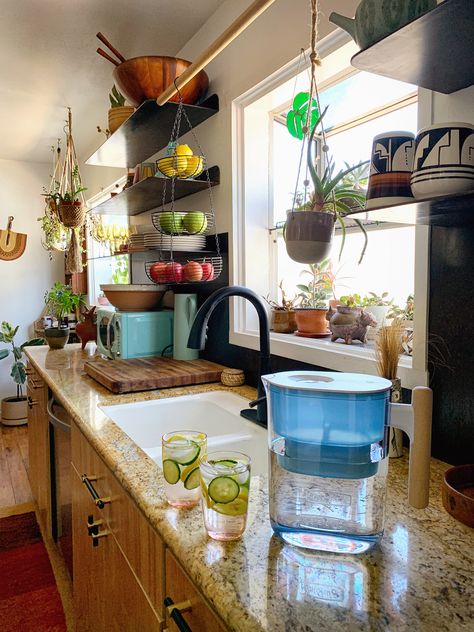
283	313
14	409
378	306
309	227
61	301
118	112
314	296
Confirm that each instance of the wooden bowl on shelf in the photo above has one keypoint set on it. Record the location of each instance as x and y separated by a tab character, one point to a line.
142	78
133	298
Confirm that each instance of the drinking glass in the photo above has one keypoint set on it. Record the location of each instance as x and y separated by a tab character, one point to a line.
182	450
225	481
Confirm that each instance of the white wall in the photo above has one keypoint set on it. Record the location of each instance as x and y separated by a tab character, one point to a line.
24	281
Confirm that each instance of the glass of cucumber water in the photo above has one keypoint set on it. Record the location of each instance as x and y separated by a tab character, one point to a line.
182	450
225	481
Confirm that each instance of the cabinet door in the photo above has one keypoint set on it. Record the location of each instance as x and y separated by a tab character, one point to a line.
199	616
38	448
107	595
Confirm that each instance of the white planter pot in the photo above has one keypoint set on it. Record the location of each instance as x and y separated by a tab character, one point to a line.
379	312
14	411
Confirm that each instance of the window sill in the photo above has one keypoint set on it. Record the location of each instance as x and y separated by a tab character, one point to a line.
356	358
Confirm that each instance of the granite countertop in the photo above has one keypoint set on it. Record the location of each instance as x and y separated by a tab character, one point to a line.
420	577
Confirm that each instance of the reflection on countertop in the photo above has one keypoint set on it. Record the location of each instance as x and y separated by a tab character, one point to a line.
419	578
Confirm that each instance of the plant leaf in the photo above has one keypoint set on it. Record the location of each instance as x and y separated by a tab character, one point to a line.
3	353
18	373
34	342
17	353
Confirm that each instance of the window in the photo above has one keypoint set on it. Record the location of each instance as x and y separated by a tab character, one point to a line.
265	159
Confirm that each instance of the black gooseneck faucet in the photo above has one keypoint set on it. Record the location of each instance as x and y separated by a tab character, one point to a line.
197	339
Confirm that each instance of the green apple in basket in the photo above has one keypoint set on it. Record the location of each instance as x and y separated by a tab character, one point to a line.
195	222
171	223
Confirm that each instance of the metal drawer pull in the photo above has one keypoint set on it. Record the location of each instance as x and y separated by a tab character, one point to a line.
96	537
35	383
32	402
174	611
93	525
100	502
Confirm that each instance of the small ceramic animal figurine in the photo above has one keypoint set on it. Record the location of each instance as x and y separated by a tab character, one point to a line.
350	323
87	330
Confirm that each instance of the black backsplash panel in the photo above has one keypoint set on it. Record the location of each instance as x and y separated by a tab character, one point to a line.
451	342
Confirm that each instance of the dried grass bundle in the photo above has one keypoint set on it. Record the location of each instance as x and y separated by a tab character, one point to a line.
388	347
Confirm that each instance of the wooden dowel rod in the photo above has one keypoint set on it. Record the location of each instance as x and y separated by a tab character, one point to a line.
420	448
234	30
107	56
105	41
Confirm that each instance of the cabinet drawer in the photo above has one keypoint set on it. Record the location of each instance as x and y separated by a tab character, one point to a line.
199	616
139	543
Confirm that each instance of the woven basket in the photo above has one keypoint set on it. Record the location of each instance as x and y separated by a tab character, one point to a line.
72	215
232	377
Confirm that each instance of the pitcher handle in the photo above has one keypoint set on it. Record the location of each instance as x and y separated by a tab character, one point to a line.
415	420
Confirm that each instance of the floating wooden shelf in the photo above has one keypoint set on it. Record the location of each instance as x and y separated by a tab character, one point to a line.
147	131
434	51
453	210
148	194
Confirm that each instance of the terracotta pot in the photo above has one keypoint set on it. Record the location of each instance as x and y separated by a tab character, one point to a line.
284	322
312	321
117	116
56	337
14	411
308	235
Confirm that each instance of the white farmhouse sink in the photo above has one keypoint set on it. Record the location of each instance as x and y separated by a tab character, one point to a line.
217	413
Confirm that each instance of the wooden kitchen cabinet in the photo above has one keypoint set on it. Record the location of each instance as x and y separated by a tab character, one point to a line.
199	615
39	447
118	583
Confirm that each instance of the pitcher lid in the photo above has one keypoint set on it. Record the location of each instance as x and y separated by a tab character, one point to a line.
328	381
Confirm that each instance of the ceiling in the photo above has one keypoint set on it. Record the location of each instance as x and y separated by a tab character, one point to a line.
49	62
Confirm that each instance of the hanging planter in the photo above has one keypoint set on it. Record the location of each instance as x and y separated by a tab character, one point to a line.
308	235
72	214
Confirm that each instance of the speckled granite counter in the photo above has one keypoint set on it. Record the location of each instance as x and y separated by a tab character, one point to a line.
421	577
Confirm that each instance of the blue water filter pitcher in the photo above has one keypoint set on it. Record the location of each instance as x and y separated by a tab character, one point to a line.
328	445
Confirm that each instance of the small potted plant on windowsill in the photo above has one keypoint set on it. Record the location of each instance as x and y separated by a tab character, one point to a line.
350	321
283	313
312	309
14	409
378	306
405	317
61	301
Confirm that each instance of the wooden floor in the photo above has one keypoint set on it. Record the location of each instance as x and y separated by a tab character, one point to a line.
14	485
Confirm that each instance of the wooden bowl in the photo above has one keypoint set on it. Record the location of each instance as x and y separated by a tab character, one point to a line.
133	298
142	78
458	493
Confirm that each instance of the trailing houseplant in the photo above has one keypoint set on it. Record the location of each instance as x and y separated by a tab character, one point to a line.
314	299
14	409
309	227
60	301
283	313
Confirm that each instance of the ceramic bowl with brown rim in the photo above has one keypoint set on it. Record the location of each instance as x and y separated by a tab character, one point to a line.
133	298
458	493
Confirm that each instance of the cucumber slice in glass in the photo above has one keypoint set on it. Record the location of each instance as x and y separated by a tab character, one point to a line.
171	471
184	454
223	489
192	480
237	507
226	462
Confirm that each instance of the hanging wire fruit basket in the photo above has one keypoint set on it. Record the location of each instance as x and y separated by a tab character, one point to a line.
183	222
176	225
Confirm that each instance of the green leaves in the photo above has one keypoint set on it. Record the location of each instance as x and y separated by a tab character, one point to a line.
18	373
116	98
61	300
7	332
299	121
34	342
3	353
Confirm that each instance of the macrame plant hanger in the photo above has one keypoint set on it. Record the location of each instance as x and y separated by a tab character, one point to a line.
71	206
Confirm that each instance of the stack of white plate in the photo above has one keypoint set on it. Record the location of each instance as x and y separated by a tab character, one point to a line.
178	243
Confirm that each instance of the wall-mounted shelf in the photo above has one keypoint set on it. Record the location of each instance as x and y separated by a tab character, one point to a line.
147	131
434	51
148	193
452	210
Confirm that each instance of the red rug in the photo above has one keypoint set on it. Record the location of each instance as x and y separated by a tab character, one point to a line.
29	598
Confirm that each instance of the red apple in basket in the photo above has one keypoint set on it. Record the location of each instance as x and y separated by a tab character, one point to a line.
207	271
174	272
192	271
158	272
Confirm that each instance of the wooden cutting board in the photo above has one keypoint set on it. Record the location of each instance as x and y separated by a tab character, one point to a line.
146	374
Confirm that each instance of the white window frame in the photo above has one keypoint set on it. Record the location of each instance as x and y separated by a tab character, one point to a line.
251	248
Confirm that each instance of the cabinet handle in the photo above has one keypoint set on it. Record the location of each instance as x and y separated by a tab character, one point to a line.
96	537
100	502
174	611
93	525
32	402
